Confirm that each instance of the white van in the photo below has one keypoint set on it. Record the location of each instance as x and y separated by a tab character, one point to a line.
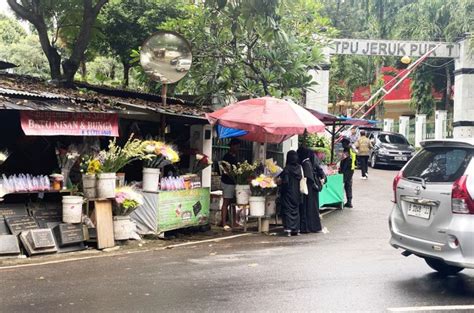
183	65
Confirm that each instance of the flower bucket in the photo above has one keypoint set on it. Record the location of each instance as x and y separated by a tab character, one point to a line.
270	205
122	227
151	179
106	185
72	209
89	184
257	206
243	194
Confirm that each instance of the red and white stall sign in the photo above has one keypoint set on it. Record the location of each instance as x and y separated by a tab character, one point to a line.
47	123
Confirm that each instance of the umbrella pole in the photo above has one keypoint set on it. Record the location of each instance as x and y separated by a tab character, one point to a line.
333	134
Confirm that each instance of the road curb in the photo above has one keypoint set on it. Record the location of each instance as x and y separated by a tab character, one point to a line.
118	253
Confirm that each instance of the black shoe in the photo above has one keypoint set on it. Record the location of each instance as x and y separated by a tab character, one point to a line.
348	205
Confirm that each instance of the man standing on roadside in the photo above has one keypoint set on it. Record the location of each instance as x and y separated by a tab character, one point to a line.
354	136
363	146
228	183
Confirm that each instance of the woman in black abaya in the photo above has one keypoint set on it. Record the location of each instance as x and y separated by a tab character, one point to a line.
310	221
290	195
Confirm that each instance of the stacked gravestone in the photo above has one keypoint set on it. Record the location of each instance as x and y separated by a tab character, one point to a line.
9	245
68	237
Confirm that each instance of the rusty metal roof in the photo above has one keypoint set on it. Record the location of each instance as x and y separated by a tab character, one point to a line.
19	92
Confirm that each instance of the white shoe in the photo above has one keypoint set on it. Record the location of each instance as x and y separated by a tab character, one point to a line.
363	178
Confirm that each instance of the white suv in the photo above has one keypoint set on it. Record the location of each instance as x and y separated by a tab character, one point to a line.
433	215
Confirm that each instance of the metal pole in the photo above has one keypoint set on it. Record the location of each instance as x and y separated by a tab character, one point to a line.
164	89
332	141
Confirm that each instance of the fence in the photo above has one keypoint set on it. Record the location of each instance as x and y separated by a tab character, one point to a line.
221	146
429	130
411	132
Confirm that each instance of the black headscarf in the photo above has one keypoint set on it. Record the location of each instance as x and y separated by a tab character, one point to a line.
292	164
303	154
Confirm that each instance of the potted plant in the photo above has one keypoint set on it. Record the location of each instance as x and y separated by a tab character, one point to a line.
112	160
89	169
242	173
127	200
260	187
157	155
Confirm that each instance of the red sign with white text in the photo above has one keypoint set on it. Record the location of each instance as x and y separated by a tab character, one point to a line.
47	123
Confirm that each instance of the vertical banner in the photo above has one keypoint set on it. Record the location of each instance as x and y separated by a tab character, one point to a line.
47	123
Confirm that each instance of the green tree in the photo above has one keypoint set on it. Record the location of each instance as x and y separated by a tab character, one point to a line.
126	26
21	49
49	18
435	20
250	47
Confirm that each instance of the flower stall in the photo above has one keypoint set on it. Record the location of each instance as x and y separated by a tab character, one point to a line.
171	202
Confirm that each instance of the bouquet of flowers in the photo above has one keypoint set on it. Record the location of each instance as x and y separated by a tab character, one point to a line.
158	154
262	186
127	201
4	154
242	173
272	169
115	158
66	160
90	165
202	162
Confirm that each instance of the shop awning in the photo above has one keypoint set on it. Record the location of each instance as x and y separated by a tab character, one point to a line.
48	123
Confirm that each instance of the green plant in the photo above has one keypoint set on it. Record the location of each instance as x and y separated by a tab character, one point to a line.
115	158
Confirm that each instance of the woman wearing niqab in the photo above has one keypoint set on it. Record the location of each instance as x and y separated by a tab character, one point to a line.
290	195
310	221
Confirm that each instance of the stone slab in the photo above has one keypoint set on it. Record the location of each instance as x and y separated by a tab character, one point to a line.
41	238
28	245
18	224
9	245
13	210
67	234
3	227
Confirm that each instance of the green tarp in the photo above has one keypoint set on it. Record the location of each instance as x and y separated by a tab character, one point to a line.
333	192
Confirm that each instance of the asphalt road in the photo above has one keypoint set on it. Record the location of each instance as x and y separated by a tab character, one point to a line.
350	269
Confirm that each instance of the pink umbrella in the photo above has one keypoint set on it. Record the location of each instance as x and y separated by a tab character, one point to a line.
267	119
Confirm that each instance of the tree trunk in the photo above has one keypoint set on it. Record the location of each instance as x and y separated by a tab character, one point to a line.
447	101
126	74
83	70
54	60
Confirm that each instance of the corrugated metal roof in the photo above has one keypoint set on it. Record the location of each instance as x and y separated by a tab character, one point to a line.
19	92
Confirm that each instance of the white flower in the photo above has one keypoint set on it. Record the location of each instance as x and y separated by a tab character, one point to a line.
150	149
199	157
255	183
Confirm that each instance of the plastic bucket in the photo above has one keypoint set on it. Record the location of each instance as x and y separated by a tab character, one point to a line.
257	206
242	194
122	227
151	179
89	185
270	205
106	185
72	209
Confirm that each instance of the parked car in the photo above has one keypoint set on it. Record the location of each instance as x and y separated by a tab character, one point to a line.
183	65
390	149
433	215
175	60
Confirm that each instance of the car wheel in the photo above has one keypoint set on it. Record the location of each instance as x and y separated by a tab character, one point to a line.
443	268
373	161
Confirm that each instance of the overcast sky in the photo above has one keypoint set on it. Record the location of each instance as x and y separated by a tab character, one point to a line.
5	8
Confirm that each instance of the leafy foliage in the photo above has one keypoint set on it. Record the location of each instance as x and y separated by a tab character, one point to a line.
250	48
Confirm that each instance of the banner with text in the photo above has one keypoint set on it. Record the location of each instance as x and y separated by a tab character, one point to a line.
394	48
46	123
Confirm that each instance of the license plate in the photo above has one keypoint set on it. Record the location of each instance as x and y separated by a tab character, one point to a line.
400	158
419	210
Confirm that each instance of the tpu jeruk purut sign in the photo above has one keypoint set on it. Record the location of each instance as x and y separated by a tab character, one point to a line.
40	123
394	48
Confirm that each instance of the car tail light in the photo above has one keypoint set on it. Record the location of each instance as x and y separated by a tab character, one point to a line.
461	201
396	180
